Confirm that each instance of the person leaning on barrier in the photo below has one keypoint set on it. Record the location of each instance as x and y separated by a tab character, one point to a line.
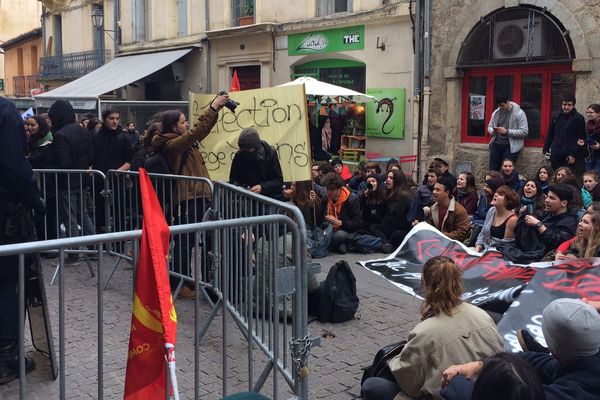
176	141
256	166
17	197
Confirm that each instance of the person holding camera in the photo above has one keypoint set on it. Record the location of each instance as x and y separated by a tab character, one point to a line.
592	128
179	144
256	166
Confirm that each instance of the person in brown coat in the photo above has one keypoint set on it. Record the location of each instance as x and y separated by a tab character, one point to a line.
179	144
447	214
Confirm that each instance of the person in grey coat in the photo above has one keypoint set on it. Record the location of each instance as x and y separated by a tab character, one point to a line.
508	128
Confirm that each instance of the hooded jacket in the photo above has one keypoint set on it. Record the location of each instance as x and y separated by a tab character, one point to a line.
517	128
112	148
260	167
16	178
72	144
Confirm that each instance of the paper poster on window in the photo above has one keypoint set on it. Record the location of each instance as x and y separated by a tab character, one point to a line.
476	108
385	118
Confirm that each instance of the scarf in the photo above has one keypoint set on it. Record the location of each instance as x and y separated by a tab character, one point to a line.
326	139
529	203
335	208
512	179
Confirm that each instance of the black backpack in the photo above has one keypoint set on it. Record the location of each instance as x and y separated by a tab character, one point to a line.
379	368
157	163
338	301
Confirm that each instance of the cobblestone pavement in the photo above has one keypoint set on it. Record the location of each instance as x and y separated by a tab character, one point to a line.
385	315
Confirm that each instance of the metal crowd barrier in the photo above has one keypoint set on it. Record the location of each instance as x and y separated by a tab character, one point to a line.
173	191
257	287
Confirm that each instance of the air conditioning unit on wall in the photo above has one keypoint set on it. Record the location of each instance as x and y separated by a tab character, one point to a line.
511	37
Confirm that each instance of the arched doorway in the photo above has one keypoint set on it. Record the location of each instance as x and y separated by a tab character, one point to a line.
521	53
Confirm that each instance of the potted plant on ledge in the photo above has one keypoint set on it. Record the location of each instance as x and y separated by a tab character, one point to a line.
247	15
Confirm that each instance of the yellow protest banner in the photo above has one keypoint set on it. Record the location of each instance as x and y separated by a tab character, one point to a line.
279	115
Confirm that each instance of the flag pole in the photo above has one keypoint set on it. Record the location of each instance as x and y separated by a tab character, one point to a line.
171	365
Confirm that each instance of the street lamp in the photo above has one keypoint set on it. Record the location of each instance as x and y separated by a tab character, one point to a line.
97	17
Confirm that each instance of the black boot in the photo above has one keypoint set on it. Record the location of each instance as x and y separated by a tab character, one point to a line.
9	364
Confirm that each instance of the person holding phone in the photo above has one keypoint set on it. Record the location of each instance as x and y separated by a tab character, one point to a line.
508	128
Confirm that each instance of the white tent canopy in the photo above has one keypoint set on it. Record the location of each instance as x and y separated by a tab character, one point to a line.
118	73
315	87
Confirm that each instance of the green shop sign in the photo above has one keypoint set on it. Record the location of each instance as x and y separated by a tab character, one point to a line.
385	118
342	39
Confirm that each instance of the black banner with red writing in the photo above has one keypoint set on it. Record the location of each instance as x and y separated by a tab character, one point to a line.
520	292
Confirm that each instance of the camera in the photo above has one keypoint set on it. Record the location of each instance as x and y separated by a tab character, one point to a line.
231	104
370	186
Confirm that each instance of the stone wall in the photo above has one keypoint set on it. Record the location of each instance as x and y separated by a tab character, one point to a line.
451	21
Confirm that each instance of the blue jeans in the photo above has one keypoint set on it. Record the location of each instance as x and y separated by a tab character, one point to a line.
499	152
593	165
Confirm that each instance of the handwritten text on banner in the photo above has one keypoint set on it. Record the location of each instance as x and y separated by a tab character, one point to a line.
279	116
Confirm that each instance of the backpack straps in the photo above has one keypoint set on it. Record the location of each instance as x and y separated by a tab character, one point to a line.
184	158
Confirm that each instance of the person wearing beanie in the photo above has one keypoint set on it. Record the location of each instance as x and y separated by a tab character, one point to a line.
256	167
571	329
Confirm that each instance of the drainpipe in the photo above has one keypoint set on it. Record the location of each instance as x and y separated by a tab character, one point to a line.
117	27
417	84
206	48
426	75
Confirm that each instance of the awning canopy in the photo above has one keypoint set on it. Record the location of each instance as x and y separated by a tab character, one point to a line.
84	92
315	87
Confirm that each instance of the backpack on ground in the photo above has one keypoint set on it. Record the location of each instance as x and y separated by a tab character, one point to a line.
379	368
338	301
366	244
319	240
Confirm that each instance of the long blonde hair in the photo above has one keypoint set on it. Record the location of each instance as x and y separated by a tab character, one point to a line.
442	282
589	247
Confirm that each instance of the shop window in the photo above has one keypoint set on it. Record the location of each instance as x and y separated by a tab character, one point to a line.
346	73
537	89
327	7
518	53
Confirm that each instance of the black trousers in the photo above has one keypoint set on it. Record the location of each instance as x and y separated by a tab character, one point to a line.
9	299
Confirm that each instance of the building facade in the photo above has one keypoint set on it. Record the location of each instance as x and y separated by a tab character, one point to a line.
79	36
21	58
16	18
259	40
532	52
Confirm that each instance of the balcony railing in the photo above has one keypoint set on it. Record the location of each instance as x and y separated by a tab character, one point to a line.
72	65
23	84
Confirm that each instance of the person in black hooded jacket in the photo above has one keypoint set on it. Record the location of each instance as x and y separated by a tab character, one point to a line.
72	149
256	166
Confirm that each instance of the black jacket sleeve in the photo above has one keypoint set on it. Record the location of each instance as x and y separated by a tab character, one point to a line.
550	136
16	176
559	232
61	151
350	216
273	186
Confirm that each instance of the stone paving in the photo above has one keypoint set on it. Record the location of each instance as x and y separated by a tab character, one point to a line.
385	315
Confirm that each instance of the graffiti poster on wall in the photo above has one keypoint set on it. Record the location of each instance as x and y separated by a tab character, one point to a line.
476	107
385	118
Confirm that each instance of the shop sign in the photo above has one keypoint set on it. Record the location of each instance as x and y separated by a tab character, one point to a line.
341	39
385	118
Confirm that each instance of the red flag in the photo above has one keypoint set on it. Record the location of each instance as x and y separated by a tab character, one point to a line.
153	320
235	83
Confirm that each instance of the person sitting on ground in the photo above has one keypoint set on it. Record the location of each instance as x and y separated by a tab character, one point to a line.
493	181
544	176
447	215
590	187
372	168
395	224
373	203
359	177
503	376
532	199
466	192
444	168
303	196
324	169
425	191
510	175
450	330
571	328
556	225
499	225
340	208
561	172
341	169
587	239
575	205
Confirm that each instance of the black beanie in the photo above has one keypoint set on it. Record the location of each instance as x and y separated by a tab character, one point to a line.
248	139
